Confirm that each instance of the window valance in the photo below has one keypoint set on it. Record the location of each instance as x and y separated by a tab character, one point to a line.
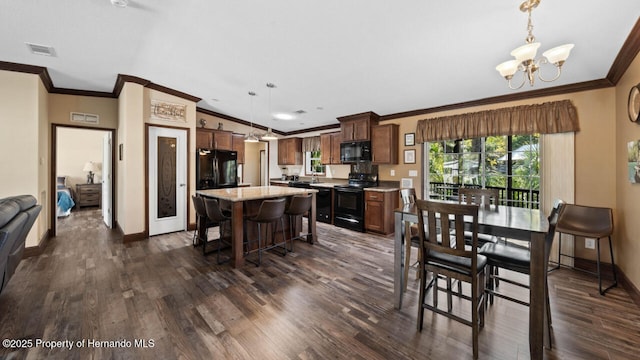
545	118
311	143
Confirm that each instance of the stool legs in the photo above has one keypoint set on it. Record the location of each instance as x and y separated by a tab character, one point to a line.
613	267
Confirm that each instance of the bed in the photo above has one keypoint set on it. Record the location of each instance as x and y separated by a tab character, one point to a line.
64	198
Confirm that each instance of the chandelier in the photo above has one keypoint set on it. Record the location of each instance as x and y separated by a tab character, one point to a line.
525	60
269	135
251	136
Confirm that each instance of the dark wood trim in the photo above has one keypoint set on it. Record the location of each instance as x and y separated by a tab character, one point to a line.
237	120
38	249
558	90
627	54
29	69
63	91
369	114
318	128
135	237
623	280
52	173
122	79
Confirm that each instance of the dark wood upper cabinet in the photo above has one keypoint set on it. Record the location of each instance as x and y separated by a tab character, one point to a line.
357	127
213	139
238	146
330	148
384	144
290	151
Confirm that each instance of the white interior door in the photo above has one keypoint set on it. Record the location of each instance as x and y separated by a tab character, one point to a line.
107	180
167	180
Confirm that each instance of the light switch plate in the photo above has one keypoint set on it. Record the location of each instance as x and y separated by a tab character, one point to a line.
393	172
413	173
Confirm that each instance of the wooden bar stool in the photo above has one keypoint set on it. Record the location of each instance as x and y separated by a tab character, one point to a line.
299	205
588	222
270	212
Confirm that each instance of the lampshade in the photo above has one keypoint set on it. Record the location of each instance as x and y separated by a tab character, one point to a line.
89	166
269	135
251	138
508	68
558	53
526	52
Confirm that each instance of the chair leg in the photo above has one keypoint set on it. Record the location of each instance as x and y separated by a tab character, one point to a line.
474	317
613	263
291	218
284	239
613	267
407	255
423	284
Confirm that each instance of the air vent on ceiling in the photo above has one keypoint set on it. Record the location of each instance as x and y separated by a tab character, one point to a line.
41	49
300	112
85	118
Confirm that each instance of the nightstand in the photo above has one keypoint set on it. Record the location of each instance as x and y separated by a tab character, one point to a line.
88	195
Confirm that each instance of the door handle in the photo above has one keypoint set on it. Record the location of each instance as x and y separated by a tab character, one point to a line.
182	185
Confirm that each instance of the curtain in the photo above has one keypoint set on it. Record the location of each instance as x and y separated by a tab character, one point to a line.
545	118
311	143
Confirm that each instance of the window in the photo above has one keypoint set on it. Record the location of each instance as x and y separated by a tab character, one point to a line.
508	163
312	163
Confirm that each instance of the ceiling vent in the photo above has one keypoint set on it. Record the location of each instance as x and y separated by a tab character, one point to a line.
41	49
84	118
300	112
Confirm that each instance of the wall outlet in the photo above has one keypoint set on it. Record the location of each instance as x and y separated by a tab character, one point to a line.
589	243
413	173
393	172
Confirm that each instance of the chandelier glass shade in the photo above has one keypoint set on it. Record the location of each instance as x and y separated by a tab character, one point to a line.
269	135
525	56
251	136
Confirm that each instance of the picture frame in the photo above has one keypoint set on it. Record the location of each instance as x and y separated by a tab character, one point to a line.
410	156
409	139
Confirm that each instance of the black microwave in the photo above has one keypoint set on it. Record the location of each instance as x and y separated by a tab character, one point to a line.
356	151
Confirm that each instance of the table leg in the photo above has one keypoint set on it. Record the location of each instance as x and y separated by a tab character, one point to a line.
398	263
537	301
312	236
237	234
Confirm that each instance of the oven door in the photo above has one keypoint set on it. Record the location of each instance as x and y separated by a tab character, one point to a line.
348	208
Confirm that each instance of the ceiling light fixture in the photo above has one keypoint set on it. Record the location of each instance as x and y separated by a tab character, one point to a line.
120	3
251	137
525	60
269	135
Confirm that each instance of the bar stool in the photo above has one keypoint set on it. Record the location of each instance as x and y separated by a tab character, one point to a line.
215	215
299	205
201	215
588	222
410	235
270	211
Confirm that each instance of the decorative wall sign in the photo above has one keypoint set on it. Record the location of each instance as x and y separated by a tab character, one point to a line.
633	164
168	111
409	139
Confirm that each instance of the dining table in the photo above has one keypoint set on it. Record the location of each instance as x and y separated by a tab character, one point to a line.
239	196
502	221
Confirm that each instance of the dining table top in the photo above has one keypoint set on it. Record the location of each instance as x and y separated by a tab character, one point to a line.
238	194
499	220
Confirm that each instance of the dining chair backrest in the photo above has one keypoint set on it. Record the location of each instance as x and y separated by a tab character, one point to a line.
408	196
479	196
213	210
270	210
300	204
442	218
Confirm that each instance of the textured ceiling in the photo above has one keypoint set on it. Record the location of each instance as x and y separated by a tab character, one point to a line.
329	58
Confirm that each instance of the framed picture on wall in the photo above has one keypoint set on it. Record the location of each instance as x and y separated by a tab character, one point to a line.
409	139
410	156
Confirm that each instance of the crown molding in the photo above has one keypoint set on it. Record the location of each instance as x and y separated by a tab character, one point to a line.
627	54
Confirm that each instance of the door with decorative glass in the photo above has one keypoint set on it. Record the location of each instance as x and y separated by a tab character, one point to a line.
167	180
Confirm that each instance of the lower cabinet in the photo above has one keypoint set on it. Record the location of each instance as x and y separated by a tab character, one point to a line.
378	210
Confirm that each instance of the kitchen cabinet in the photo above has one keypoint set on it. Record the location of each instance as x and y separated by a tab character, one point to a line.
213	139
330	148
384	144
378	210
357	127
237	143
290	151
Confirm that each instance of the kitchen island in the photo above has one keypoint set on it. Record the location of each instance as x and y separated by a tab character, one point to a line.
241	198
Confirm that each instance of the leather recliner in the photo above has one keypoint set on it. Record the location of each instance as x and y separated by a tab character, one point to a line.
17	216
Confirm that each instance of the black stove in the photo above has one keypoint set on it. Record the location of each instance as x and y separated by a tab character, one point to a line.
348	208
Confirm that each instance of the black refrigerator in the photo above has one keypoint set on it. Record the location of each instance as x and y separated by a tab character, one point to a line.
216	169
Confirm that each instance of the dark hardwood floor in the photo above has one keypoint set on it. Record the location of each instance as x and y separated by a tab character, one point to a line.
330	300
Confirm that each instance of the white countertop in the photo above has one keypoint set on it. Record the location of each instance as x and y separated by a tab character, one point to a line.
253	193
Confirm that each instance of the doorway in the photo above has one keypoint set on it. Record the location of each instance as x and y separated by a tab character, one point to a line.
167	169
79	168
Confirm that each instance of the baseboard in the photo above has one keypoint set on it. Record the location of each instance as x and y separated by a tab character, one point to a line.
623	280
191	227
131	237
38	249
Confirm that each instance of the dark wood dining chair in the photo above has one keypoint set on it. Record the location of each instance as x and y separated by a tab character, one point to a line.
445	254
488	198
410	234
517	258
588	222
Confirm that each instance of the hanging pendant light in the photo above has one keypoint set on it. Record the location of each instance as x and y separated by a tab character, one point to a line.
251	137
269	135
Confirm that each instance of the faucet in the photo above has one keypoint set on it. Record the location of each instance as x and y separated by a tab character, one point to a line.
314	177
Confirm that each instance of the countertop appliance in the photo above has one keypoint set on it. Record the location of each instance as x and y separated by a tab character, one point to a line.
348	204
216	169
323	200
356	151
